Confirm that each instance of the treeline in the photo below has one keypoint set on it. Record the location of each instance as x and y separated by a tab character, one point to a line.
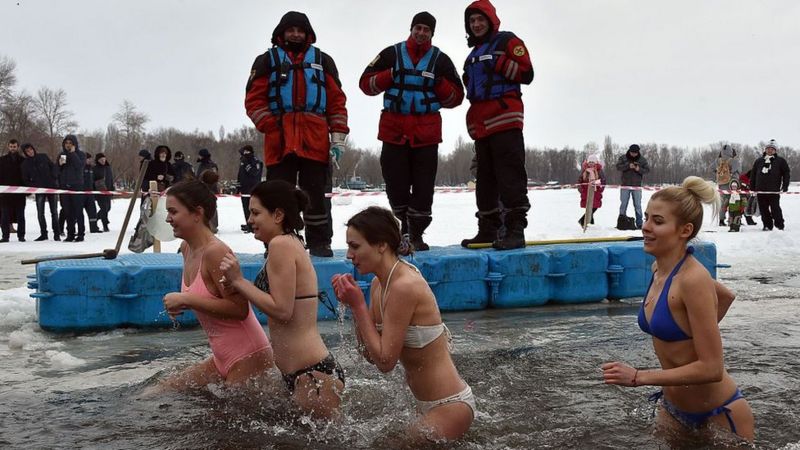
44	118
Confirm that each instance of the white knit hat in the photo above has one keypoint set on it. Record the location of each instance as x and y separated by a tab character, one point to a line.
593	158
772	144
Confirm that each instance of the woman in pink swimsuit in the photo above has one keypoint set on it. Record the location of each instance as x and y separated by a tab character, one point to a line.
239	345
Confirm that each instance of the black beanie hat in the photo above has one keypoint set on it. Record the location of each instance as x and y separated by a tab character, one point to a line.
424	18
98	156
633	148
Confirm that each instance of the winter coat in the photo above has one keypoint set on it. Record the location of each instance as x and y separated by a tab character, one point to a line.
583	188
631	177
487	117
415	129
39	171
88	177
182	170
11	175
727	166
250	172
770	174
300	132
202	166
159	171
71	173
103	177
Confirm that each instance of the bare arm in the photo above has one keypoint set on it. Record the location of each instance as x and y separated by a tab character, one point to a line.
282	273
725	298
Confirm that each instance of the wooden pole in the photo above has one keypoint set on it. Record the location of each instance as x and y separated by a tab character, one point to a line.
153	203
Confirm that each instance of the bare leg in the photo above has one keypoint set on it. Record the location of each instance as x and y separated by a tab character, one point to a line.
444	423
194	377
250	366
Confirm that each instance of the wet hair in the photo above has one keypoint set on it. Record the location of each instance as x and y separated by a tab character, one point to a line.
688	199
279	194
380	226
194	194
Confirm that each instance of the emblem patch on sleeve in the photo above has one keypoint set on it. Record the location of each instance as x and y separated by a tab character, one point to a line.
519	50
252	74
374	60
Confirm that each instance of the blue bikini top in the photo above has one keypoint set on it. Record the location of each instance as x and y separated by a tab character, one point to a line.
662	325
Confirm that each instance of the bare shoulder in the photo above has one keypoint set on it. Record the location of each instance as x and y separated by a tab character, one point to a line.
216	250
694	281
282	245
413	286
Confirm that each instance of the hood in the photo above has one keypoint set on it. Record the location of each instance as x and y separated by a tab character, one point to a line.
72	138
486	8
162	149
727	152
293	19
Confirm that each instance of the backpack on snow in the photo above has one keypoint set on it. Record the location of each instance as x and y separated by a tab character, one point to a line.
626	223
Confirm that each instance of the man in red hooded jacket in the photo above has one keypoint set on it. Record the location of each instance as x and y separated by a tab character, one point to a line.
295	98
493	72
416	79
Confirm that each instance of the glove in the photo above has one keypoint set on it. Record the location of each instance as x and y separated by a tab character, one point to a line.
337	147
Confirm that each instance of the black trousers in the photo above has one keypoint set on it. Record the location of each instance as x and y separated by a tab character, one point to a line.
52	203
72	205
410	176
771	212
90	207
104	206
501	174
12	206
246	207
309	175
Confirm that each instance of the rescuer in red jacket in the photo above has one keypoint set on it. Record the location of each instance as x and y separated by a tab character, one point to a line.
417	80
295	98
493	72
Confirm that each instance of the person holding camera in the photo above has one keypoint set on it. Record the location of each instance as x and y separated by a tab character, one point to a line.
633	166
295	98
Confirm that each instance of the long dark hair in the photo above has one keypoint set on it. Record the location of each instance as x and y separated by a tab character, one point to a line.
380	226
279	194
194	194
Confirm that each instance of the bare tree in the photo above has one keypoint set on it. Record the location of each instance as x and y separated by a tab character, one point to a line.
51	107
130	124
8	79
18	117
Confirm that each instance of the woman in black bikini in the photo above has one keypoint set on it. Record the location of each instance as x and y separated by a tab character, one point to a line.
286	290
681	310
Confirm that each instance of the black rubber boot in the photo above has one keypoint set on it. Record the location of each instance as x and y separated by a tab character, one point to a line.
750	220
488	224
515	232
416	228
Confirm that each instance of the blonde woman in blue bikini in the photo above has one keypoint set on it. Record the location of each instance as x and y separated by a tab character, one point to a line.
403	324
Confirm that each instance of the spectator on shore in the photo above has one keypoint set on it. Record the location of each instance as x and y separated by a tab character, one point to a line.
103	181
38	170
205	163
250	172
727	168
633	166
12	206
159	170
71	162
592	172
770	176
182	169
88	199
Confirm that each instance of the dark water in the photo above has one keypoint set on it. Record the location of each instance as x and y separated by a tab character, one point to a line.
535	373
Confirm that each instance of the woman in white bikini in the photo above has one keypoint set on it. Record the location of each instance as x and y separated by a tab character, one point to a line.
403	324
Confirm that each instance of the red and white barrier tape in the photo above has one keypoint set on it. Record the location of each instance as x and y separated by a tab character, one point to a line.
439	190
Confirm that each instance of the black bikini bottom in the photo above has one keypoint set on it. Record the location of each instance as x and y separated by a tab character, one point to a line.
328	365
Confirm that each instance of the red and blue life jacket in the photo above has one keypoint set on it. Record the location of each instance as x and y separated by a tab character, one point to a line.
412	91
281	80
483	82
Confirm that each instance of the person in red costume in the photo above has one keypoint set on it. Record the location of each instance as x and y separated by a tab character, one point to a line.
417	79
295	98
493	72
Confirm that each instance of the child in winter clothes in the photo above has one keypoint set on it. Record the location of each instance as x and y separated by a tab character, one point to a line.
736	206
591	172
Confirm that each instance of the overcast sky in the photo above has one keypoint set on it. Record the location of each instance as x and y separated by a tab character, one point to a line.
681	72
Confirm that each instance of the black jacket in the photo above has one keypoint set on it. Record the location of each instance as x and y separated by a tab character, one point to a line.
159	169
770	174
39	171
11	175
250	172
103	177
182	170
70	174
631	177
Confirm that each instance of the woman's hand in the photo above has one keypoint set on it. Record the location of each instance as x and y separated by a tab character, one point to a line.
175	304
231	271
347	290
620	373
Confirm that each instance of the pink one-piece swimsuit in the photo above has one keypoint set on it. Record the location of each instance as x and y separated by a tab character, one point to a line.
230	340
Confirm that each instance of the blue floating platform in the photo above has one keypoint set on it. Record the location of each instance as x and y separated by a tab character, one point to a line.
87	295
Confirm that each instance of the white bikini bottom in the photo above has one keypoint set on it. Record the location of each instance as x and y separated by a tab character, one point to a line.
464	396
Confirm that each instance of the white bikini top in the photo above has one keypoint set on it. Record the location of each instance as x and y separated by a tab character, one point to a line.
417	336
